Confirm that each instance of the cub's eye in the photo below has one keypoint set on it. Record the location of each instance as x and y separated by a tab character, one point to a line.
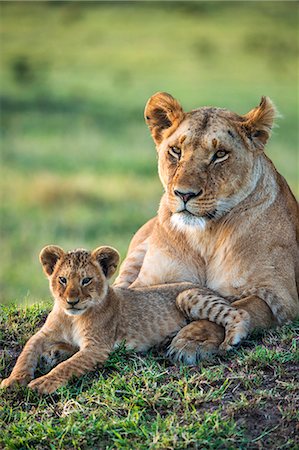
86	281
62	281
175	152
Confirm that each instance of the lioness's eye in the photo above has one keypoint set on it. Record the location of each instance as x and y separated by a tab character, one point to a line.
86	281
175	152
62	281
220	154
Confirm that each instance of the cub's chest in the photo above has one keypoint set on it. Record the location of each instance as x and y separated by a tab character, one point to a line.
72	334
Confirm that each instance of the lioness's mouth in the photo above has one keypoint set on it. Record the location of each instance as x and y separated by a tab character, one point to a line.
210	215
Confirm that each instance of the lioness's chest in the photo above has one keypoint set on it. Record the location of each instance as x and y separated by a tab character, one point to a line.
225	278
224	269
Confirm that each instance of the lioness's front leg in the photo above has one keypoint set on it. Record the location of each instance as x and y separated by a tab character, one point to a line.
26	364
260	314
79	364
131	266
202	338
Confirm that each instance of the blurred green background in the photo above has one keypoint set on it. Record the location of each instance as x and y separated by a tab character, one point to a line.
78	164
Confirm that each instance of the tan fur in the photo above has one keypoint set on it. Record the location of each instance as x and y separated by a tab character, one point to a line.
202	304
237	233
90	318
130	268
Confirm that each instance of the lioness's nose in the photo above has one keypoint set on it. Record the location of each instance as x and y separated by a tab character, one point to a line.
72	302
186	196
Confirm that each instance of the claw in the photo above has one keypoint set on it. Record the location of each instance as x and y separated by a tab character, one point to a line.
43	385
11	382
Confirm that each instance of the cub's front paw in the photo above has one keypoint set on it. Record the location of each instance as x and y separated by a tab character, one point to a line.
20	379
44	385
236	331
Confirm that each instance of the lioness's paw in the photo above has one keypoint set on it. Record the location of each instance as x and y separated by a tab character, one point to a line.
196	341
44	385
189	352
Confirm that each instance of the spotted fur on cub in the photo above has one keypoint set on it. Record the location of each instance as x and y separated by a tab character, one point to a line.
90	318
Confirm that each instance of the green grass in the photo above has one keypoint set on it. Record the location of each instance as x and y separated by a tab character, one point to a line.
78	164
246	400
78	169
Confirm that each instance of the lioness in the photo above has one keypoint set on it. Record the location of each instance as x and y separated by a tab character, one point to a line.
227	220
89	318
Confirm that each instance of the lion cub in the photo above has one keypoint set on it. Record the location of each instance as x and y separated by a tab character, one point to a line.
90	318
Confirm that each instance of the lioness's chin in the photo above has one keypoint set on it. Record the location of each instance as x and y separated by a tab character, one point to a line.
182	220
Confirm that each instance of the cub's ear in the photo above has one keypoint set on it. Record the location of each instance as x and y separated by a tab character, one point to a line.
259	122
107	258
49	257
162	112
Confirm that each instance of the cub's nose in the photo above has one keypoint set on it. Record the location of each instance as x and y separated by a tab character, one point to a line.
186	196
72	302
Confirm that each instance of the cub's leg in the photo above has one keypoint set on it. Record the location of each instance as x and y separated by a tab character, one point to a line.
80	363
202	338
26	364
203	304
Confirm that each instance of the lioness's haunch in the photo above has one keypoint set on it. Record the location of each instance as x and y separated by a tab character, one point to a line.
228	221
89	318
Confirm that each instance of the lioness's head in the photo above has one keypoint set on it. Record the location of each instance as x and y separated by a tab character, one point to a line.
78	279
206	156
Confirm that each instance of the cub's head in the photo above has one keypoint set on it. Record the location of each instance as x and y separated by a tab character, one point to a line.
78	279
207	157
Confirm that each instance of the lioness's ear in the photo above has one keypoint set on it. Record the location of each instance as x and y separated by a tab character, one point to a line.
259	122
49	257
107	258
162	112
